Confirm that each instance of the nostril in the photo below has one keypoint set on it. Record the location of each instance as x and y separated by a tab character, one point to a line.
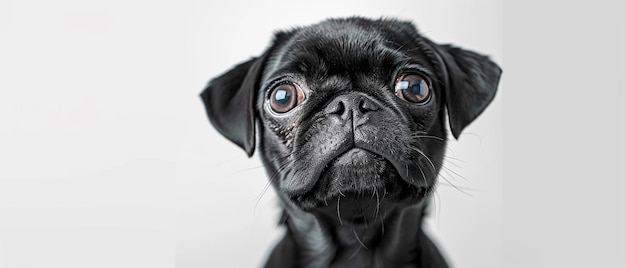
339	108
366	105
351	104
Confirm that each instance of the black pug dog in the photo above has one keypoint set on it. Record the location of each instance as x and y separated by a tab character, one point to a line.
352	133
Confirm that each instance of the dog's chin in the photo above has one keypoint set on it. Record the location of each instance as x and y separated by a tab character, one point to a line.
358	187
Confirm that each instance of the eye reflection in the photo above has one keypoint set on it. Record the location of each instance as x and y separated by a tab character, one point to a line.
285	97
412	88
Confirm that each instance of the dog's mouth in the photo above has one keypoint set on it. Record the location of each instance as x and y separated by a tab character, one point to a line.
360	185
356	169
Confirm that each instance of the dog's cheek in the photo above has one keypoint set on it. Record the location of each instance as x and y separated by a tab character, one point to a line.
435	140
422	119
282	130
429	125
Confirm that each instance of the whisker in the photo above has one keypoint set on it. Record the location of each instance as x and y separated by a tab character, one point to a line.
384	194
448	149
466	189
427	158
377	203
338	210
358	239
428	137
269	183
448	160
454	158
269	162
445	169
355	253
271	180
423	175
448	170
251	168
454	186
340	193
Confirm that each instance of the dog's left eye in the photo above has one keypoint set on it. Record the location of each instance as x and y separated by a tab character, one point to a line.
285	97
412	88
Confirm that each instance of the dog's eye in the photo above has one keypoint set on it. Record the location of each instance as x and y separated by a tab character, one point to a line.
285	97
412	88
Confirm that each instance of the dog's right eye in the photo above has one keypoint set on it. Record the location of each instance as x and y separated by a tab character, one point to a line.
412	88
285	97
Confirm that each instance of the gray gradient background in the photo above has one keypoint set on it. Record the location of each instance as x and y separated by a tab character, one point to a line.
107	158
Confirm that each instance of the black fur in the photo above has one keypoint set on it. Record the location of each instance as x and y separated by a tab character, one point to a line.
353	164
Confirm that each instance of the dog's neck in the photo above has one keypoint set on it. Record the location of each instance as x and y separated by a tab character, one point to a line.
393	242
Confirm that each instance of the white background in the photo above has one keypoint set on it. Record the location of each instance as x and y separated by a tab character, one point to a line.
107	158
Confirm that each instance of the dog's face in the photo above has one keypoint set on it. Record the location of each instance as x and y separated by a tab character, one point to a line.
352	113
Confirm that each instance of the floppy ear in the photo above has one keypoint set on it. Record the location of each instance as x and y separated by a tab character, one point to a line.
472	84
229	102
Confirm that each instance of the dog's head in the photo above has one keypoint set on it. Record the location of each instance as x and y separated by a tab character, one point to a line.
352	112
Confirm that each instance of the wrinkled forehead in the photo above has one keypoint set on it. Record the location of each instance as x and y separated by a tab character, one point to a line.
335	49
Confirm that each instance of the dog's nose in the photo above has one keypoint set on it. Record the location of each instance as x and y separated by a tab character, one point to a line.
352	105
